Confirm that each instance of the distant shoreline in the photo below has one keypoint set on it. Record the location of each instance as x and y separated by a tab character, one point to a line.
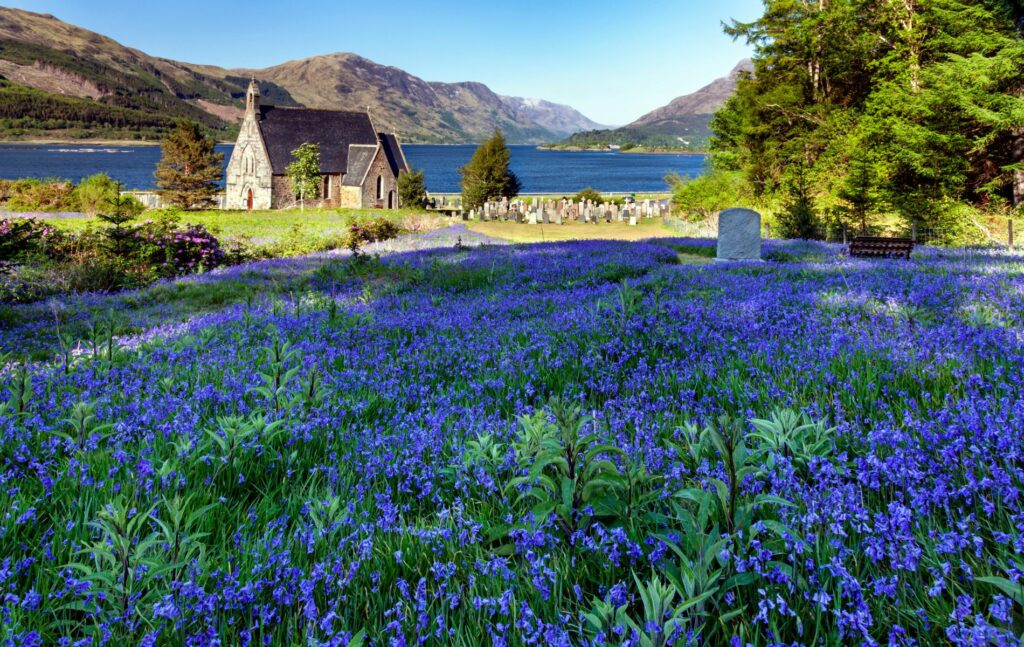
80	142
631	151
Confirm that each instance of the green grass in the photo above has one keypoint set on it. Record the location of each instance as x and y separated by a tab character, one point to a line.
280	233
523	233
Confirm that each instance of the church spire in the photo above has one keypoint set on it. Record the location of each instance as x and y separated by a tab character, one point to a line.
252	97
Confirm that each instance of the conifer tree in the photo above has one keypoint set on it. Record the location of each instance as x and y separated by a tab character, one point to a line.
412	189
799	219
930	92
487	176
121	210
189	170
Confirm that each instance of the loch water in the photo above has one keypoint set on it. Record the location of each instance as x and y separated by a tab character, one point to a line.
540	171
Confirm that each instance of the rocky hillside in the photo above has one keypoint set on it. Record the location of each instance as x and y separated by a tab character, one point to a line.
555	117
683	123
677	117
420	110
60	80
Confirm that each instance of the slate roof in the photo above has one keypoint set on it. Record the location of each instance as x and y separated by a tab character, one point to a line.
393	151
285	129
359	159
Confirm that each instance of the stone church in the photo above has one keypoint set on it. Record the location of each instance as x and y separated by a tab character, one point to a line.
359	166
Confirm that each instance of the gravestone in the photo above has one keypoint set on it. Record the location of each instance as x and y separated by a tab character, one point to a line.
545	215
632	220
739	235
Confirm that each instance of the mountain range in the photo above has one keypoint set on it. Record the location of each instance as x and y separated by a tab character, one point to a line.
60	81
682	124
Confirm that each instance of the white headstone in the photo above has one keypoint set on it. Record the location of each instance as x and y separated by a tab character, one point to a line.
739	235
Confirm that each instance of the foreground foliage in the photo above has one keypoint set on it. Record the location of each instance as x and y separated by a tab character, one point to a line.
573	443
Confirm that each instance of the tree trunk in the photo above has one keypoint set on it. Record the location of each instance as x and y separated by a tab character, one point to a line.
1018	175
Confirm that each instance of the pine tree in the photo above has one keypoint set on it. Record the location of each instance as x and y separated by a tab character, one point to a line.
799	219
858	192
930	91
304	173
122	209
412	189
487	175
189	170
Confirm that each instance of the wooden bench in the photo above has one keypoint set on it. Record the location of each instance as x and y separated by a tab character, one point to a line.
877	247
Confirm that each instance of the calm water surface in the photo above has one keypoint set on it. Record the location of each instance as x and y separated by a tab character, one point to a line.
539	171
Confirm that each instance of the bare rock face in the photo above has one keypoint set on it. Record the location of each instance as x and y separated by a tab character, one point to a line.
739	235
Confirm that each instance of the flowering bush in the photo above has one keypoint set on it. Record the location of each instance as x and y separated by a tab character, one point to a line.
38	260
20	238
180	250
371	231
562	444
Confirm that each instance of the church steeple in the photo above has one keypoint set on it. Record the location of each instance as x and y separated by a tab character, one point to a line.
252	97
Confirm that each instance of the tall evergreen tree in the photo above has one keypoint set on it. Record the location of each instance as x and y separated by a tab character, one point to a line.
412	189
920	98
487	176
189	170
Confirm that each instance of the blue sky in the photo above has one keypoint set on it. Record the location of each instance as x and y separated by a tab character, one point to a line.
612	60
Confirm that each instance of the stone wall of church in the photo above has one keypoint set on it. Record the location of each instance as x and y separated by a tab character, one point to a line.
379	168
351	197
283	196
249	169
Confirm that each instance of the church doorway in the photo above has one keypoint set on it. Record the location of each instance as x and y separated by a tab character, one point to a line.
248	201
391	199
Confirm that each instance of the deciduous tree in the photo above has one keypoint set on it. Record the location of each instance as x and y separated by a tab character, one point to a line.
304	172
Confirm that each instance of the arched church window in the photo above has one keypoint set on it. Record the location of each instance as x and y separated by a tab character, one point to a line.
380	187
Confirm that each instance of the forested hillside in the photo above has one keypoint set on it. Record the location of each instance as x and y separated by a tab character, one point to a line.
863	108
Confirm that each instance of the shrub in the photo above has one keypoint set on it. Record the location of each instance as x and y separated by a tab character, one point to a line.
21	238
372	231
700	198
41	195
95	193
588	193
178	251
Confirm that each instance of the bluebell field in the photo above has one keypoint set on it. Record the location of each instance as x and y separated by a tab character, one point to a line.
560	444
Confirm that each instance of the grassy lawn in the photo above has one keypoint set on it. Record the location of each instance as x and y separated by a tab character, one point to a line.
281	233
523	233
